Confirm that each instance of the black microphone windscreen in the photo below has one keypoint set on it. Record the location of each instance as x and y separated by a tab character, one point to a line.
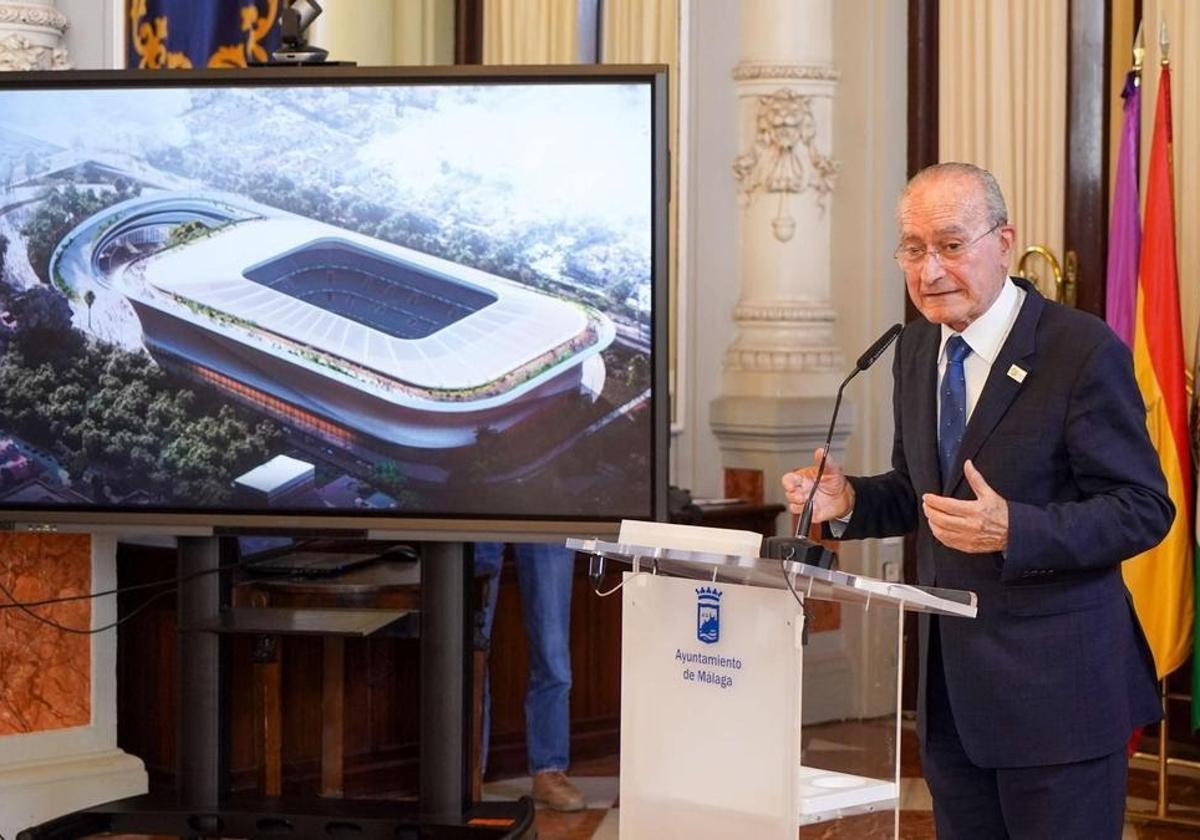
876	350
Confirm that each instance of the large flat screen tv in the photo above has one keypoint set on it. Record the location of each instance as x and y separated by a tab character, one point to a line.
334	298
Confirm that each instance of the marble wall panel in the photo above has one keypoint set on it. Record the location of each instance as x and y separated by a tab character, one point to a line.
45	673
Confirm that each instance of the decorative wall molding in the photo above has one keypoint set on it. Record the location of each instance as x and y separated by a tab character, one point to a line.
749	72
789	360
784	158
794	312
31	37
19	53
23	15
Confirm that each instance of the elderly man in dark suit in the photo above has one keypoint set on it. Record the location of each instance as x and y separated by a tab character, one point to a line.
1022	462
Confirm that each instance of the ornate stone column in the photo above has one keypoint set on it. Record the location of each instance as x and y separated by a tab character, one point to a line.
781	373
782	370
31	36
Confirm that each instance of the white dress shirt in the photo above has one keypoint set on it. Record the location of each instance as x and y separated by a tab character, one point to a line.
985	336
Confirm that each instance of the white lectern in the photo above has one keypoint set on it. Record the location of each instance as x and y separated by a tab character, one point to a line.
713	648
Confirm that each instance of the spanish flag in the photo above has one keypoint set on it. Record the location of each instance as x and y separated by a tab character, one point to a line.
1161	579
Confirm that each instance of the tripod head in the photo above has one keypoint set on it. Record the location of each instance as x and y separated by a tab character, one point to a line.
294	18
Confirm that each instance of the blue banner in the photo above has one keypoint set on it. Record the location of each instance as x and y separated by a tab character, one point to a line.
201	33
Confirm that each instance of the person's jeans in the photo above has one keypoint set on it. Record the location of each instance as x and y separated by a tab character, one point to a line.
544	575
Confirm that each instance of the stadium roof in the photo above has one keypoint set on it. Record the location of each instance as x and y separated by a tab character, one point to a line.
484	345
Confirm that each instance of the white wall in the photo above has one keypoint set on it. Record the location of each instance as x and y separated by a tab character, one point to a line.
711	217
870	141
96	36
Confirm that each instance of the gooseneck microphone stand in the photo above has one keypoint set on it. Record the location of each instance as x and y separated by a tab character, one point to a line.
799	547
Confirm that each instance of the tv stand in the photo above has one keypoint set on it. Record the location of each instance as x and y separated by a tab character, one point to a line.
202	806
261	817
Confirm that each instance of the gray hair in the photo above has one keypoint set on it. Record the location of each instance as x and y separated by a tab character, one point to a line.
993	199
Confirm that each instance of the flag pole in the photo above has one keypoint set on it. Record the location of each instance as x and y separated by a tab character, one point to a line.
1163	776
1139	53
1164	51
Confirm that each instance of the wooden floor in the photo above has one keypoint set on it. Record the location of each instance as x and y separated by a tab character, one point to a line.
916	821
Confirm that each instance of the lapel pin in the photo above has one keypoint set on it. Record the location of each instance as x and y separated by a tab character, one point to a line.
1017	374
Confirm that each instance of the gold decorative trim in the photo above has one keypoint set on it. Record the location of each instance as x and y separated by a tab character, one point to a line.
747	72
149	36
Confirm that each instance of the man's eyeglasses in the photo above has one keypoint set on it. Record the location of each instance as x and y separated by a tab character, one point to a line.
948	253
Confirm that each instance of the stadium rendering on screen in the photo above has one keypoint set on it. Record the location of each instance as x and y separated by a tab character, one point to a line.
371	295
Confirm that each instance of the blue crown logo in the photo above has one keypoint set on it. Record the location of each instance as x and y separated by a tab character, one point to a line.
708	614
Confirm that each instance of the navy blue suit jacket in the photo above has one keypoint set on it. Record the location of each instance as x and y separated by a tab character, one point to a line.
1055	668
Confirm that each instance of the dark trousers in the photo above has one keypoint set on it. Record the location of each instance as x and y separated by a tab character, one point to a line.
1084	800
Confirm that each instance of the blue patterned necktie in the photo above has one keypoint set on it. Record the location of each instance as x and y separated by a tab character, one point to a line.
953	421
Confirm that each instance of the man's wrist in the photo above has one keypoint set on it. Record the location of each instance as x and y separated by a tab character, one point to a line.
839	524
845	517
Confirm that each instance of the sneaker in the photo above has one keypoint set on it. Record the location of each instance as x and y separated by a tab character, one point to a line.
553	789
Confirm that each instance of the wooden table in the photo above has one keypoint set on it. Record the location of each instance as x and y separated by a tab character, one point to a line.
352	603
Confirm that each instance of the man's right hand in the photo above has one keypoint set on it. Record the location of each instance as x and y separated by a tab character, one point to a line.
835	497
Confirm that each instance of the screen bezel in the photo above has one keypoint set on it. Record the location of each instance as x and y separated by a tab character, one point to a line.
386	523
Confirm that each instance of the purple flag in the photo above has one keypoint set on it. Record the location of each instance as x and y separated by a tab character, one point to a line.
1125	229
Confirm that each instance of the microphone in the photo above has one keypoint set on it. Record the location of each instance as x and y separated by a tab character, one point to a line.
867	359
875	350
787	547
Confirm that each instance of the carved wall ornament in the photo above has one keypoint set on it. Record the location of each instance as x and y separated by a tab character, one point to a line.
801	313
804	72
33	16
785	361
19	53
784	158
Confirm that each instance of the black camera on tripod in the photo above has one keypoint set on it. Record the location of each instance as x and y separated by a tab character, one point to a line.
294	18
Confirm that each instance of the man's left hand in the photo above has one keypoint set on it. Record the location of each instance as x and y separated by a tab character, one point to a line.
975	526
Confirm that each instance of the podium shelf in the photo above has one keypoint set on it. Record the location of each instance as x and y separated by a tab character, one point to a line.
288	621
808	580
828	795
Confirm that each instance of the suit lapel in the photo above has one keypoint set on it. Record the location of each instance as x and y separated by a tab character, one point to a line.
924	469
1000	389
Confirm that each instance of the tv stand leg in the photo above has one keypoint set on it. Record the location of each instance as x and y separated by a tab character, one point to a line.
202	767
445	679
